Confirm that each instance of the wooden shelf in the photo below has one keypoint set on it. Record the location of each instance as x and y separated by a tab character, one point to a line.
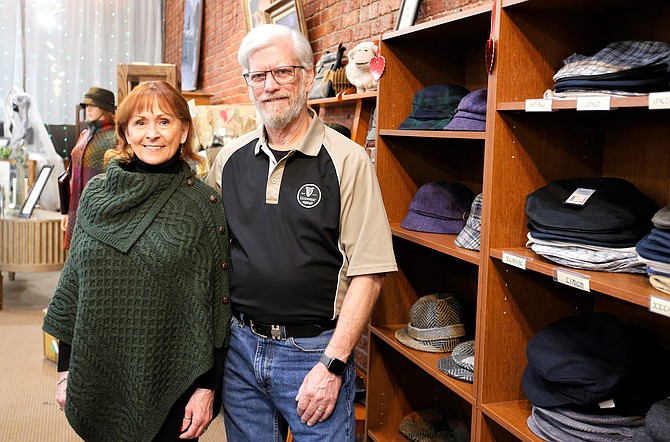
341	99
633	288
513	416
564	104
364	103
436	241
433	134
426	360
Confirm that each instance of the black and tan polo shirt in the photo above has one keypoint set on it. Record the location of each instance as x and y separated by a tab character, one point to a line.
301	227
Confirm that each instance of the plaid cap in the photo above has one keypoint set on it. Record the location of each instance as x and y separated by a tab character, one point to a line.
434	106
615	57
470	236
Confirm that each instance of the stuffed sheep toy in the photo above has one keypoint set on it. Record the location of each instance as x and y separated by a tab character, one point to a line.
358	67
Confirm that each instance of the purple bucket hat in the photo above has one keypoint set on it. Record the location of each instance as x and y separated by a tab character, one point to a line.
439	207
471	113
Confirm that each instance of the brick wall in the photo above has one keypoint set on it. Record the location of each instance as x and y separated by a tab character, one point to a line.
329	22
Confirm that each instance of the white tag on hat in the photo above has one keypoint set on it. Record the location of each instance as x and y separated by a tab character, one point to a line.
609	403
580	196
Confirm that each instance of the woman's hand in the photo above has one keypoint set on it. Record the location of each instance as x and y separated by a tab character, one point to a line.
61	389
63	223
198	414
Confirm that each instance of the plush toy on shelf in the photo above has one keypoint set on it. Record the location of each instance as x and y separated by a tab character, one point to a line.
358	68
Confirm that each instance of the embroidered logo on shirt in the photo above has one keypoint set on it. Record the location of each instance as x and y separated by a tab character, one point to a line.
309	196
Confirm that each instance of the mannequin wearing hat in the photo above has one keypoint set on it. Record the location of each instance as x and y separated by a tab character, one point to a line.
87	156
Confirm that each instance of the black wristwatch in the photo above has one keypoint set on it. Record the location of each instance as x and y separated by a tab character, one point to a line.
334	365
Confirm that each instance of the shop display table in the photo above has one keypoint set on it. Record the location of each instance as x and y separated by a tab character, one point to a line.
32	244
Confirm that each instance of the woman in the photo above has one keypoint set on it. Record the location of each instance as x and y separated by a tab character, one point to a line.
86	158
142	309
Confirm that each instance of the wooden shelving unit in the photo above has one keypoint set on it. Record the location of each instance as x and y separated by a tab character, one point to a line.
518	153
364	106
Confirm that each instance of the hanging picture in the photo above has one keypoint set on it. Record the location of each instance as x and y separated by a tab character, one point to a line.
288	13
190	54
407	14
254	12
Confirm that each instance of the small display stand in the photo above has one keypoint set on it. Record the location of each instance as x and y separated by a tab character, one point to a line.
32	244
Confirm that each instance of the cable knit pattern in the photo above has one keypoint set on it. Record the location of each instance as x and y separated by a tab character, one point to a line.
140	299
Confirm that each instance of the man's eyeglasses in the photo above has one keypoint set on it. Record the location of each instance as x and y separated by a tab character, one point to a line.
281	74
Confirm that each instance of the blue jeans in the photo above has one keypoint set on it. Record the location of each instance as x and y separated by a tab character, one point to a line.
261	378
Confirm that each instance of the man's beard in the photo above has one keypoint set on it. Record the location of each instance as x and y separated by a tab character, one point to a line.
278	116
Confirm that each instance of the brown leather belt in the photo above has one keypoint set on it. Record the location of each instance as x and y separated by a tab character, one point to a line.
282	332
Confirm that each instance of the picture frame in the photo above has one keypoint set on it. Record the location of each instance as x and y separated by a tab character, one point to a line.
287	12
407	14
254	12
36	191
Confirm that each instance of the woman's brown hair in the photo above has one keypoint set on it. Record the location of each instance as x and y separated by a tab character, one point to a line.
170	101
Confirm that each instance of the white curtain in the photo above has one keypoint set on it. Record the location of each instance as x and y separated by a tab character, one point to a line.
70	45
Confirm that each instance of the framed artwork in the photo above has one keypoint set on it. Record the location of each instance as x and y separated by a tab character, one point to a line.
254	12
288	13
407	14
190	53
35	192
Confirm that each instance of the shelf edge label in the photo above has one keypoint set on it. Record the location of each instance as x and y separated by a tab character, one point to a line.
538	105
514	260
573	279
659	305
593	103
659	100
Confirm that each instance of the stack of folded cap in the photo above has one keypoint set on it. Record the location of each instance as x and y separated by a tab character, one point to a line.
434	106
565	425
435	324
593	362
461	363
627	67
439	207
657	424
654	251
589	223
471	113
435	425
470	236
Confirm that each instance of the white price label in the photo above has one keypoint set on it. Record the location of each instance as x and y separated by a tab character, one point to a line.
659	305
659	100
514	260
593	103
572	279
538	105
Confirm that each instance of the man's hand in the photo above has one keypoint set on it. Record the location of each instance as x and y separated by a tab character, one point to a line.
317	395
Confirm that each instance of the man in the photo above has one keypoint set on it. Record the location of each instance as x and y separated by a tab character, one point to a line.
311	244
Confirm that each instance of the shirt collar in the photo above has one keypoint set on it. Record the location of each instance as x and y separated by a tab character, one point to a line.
311	143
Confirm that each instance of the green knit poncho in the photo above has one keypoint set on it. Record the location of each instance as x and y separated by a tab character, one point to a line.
143	300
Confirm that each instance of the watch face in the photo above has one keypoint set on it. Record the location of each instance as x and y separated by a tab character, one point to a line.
336	366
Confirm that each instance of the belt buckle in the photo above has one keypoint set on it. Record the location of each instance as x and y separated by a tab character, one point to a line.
256	332
275	332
